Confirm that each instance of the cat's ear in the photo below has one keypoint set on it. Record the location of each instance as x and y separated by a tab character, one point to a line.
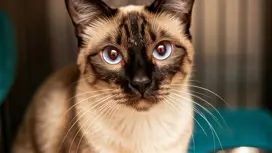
83	12
180	8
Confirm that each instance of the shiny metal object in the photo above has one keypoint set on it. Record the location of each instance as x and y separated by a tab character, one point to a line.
244	150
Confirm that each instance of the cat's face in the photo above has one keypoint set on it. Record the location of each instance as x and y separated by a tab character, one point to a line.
141	50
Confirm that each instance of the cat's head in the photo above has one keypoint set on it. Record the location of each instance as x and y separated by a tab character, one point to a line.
141	50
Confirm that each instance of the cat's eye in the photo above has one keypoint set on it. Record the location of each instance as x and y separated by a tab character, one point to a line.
162	51
112	55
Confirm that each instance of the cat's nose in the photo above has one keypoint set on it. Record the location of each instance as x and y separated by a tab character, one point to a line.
140	83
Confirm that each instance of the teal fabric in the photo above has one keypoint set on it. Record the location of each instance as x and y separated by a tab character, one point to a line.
7	55
241	127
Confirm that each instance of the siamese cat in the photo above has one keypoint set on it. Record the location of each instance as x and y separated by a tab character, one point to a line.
128	93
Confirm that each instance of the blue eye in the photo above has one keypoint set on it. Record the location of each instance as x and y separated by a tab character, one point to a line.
162	51
111	55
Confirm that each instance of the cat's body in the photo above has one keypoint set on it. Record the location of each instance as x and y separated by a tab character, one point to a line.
48	134
118	107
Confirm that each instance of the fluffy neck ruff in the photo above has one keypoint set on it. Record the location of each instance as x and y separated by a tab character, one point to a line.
116	128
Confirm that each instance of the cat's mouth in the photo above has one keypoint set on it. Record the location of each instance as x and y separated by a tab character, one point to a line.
142	97
143	102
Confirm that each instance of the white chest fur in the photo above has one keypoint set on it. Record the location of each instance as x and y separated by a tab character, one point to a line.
162	129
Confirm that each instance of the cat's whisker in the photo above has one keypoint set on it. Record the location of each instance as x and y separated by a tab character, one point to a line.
97	116
94	119
107	107
211	128
205	109
159	121
120	109
88	106
190	115
76	122
193	141
114	112
170	104
206	120
202	88
203	116
79	143
205	102
85	99
88	93
199	94
74	125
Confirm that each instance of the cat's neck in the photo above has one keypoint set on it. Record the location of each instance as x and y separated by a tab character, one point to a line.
160	129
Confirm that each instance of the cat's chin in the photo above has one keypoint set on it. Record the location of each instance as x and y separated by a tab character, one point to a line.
142	104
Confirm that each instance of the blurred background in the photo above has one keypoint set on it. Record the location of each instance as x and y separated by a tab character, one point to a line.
232	38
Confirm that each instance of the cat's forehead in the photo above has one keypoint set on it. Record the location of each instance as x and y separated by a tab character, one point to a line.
131	26
131	8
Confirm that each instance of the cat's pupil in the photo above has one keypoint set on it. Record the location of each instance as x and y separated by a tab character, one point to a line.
113	54
161	49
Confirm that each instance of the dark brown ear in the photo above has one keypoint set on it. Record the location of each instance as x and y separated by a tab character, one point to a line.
83	12
180	8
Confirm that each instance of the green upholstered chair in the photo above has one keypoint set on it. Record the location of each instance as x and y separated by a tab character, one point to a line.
240	128
7	55
7	71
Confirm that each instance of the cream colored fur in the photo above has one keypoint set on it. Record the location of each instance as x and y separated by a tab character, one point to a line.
162	129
